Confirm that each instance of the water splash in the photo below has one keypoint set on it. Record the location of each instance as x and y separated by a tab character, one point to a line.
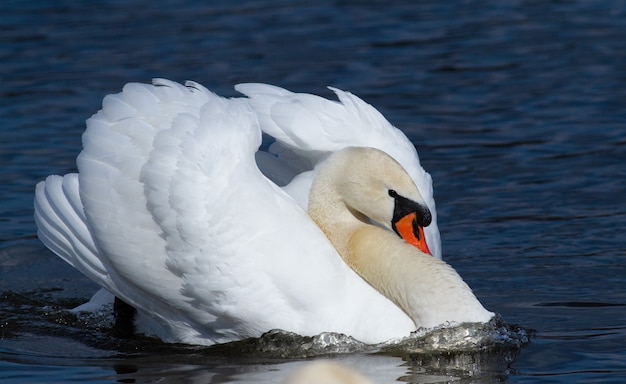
495	336
282	344
469	352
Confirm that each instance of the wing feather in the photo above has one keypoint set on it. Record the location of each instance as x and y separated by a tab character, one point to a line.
61	225
182	217
170	212
118	143
311	127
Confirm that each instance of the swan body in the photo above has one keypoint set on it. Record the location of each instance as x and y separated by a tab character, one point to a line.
176	211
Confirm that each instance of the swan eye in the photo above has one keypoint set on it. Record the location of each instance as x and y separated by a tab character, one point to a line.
393	193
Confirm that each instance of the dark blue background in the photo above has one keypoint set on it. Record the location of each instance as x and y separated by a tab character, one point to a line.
517	109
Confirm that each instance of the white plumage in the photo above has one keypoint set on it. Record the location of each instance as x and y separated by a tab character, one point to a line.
170	212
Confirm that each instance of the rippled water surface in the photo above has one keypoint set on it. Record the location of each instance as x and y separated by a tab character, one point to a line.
517	108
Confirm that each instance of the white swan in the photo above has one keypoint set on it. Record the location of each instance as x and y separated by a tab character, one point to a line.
170	212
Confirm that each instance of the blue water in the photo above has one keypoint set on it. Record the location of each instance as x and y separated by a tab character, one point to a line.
518	110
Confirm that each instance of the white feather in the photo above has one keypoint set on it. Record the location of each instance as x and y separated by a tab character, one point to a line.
312	127
170	212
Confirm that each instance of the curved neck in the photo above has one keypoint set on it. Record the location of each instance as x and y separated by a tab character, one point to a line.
428	290
329	211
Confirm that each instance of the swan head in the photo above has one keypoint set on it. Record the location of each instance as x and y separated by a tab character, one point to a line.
372	185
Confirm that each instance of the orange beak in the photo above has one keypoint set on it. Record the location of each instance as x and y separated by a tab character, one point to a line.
409	229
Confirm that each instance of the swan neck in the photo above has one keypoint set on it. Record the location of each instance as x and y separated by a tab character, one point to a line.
428	290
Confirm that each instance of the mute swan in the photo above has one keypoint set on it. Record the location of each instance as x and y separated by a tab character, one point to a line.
170	212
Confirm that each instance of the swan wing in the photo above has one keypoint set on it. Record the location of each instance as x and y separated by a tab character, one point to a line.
170	213
311	127
173	202
61	225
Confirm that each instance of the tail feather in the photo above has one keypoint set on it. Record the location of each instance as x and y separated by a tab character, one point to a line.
62	225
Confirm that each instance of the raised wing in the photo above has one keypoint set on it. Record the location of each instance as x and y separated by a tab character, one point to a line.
170	213
185	227
310	127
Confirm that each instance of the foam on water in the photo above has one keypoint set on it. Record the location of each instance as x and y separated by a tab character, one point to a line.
495	336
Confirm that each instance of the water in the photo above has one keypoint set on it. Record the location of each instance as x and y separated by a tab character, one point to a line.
517	110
